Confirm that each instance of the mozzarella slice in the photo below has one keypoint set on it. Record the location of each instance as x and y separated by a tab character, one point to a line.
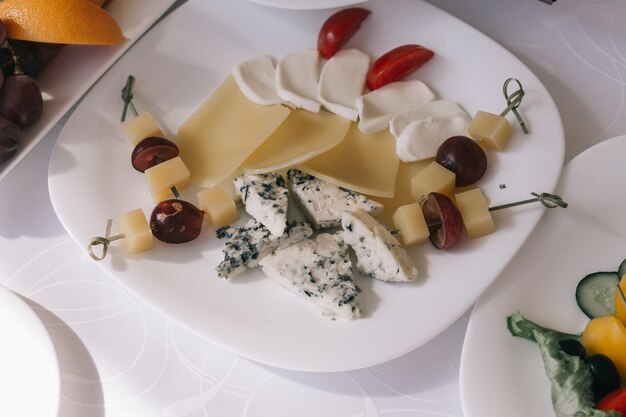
342	81
377	108
419	132
256	79
297	79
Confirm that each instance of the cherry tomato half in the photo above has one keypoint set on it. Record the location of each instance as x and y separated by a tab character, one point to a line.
397	64
615	400
338	28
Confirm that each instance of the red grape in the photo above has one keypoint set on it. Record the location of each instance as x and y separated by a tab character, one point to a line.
176	221
444	220
20	100
152	151
464	157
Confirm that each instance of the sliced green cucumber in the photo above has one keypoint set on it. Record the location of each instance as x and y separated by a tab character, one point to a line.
622	268
595	294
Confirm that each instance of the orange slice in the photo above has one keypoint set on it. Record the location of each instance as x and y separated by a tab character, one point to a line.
59	21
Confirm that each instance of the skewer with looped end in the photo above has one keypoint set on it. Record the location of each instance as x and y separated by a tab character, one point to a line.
105	241
513	101
546	199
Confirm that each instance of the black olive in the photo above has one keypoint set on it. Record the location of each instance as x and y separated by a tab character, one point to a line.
573	347
605	375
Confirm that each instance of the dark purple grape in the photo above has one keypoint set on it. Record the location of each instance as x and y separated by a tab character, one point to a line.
30	56
464	157
10	139
3	33
20	100
152	151
444	220
176	221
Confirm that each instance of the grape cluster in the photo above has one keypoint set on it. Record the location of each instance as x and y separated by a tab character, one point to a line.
21	102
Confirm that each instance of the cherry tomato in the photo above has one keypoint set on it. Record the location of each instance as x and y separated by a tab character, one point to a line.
338	28
615	400
397	64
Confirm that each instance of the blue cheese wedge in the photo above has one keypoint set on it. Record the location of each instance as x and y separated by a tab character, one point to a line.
266	198
245	246
320	271
378	253
323	203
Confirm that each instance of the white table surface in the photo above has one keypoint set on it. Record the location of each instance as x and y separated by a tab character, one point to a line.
120	358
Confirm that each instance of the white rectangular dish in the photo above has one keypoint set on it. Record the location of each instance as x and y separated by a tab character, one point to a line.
76	67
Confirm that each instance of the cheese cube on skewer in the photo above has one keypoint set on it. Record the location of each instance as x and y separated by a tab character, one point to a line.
410	222
433	178
492	130
141	127
475	213
162	177
219	207
136	230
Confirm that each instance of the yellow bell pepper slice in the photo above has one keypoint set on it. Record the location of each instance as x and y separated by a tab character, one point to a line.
607	336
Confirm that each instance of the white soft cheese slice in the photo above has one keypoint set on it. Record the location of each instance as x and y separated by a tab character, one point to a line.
266	198
318	270
297	79
419	132
377	108
342	80
323	203
378	253
256	79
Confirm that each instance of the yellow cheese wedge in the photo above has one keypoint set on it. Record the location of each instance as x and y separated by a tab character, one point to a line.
302	136
363	163
402	190
475	213
224	131
136	230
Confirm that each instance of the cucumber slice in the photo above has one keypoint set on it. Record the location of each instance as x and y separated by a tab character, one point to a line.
595	294
622	268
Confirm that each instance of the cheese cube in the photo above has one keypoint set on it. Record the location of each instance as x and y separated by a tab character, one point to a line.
409	220
218	206
491	130
433	178
162	177
475	213
142	127
136	230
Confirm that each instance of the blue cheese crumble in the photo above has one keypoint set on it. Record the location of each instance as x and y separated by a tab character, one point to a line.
320	271
378	253
266	198
245	246
323	202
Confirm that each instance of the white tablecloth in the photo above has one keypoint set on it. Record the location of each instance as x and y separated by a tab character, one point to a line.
120	358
